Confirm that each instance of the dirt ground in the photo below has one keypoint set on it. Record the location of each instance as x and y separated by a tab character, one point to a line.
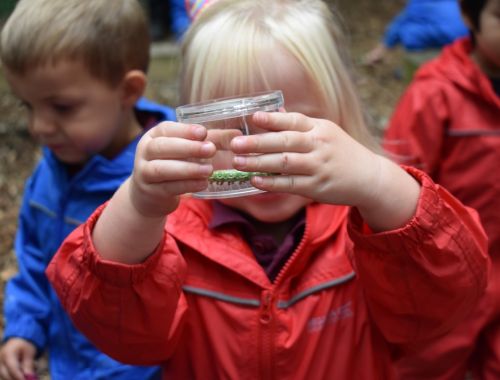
379	88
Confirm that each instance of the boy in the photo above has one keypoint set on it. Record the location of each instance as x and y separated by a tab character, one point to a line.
79	69
448	123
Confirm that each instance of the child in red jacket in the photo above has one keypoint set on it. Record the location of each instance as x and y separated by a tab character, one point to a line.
345	259
448	124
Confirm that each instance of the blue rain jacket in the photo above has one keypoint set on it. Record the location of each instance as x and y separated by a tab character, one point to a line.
53	205
426	24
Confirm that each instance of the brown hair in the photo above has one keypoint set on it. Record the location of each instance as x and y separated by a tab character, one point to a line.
109	37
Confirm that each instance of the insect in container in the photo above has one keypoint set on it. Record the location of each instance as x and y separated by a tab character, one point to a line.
231	176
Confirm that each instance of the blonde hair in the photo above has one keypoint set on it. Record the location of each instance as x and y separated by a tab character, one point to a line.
110	37
221	51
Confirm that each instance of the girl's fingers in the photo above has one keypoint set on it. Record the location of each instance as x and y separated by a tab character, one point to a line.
173	129
289	141
283	163
282	121
177	148
158	171
282	183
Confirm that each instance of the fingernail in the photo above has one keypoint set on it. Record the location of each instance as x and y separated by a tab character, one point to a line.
199	131
206	147
238	142
257	180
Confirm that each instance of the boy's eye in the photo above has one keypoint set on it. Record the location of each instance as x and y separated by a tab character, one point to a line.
63	108
25	105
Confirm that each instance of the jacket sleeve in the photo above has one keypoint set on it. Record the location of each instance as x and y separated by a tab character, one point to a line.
415	132
423	278
27	300
133	313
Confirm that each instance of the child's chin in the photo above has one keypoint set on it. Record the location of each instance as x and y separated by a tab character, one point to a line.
270	197
269	207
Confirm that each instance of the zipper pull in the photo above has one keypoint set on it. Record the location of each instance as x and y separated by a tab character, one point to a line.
266	313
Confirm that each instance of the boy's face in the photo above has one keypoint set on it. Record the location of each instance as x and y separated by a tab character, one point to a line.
286	74
73	113
487	50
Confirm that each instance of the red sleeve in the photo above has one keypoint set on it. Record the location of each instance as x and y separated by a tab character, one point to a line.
133	313
415	132
423	278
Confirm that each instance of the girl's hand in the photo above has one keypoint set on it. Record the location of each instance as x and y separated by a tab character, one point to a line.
171	159
315	158
319	160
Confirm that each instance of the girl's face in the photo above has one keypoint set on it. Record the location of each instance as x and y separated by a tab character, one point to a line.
300	96
487	53
72	113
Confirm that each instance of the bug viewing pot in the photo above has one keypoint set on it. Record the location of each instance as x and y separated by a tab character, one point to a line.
225	119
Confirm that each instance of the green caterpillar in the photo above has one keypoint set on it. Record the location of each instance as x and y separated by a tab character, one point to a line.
232	175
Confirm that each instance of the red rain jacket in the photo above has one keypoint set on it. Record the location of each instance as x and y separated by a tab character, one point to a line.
203	307
448	124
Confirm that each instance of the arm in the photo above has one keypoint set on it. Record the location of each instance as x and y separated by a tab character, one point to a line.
422	279
116	305
421	255
392	37
164	168
27	305
349	174
121	262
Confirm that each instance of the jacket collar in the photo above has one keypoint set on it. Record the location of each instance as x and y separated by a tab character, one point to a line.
189	224
97	174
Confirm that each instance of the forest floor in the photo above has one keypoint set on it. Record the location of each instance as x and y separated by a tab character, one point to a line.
379	88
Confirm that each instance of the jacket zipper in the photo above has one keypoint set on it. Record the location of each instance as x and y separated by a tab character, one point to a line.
266	335
266	317
292	259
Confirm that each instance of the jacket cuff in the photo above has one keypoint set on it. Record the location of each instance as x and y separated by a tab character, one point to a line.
110	272
25	327
427	216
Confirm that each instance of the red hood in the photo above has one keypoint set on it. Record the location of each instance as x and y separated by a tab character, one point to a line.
455	65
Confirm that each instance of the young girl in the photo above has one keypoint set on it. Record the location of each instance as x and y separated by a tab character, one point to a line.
346	259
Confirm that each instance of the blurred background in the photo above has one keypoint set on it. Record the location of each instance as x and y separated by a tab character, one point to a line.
378	86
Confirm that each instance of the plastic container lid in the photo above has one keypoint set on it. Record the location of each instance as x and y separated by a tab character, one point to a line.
227	108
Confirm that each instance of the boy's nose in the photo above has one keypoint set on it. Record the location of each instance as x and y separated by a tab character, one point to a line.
41	126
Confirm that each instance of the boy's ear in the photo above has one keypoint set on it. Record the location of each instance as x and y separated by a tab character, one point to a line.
133	85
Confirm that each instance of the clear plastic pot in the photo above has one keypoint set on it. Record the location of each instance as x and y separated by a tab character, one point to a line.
225	119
